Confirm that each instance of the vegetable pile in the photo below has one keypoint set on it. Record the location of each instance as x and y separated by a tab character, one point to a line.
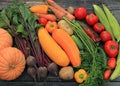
71	44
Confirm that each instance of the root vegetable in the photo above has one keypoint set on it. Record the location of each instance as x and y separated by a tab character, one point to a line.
66	73
32	72
42	72
50	17
62	24
31	61
52	68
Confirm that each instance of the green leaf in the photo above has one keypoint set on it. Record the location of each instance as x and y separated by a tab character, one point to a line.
15	19
24	12
4	21
20	30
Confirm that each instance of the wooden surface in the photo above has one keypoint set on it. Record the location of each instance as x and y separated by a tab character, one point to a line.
25	80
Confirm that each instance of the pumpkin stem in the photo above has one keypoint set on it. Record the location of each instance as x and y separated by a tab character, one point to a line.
12	66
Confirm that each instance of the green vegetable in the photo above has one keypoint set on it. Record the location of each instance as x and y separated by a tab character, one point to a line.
93	59
78	42
116	72
113	23
103	19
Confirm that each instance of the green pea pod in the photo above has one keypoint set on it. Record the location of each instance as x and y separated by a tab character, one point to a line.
113	23
103	19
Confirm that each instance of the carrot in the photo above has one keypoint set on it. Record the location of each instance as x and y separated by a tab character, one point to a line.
39	9
55	5
50	26
69	46
52	49
49	17
61	9
57	12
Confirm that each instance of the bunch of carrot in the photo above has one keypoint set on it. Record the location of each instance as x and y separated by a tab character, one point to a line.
43	11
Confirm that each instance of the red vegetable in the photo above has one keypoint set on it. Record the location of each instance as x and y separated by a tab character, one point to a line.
111	62
98	27
42	21
105	36
80	13
91	19
111	48
90	32
107	74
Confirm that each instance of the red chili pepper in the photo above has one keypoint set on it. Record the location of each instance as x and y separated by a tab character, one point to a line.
111	48
98	27
90	32
91	19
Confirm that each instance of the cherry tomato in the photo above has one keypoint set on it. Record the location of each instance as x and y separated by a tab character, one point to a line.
107	74
105	36
80	13
98	27
42	21
111	62
111	48
91	19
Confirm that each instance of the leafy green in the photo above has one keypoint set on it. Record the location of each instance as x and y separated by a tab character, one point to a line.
93	58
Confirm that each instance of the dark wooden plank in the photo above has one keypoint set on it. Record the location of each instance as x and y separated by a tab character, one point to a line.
51	84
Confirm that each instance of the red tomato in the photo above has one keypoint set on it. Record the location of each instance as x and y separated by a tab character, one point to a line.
42	21
111	48
80	13
111	62
105	36
98	27
91	19
107	74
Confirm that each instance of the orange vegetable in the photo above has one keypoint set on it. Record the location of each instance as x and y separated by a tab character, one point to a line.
69	46
50	26
12	63
39	9
49	17
51	48
61	10
5	39
57	12
80	76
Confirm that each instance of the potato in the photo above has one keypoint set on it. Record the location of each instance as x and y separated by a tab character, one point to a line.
66	73
62	24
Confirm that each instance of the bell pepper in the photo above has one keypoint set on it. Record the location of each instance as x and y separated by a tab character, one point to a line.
80	75
50	26
91	19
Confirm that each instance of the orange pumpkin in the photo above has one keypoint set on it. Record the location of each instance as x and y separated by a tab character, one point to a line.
12	63
5	39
